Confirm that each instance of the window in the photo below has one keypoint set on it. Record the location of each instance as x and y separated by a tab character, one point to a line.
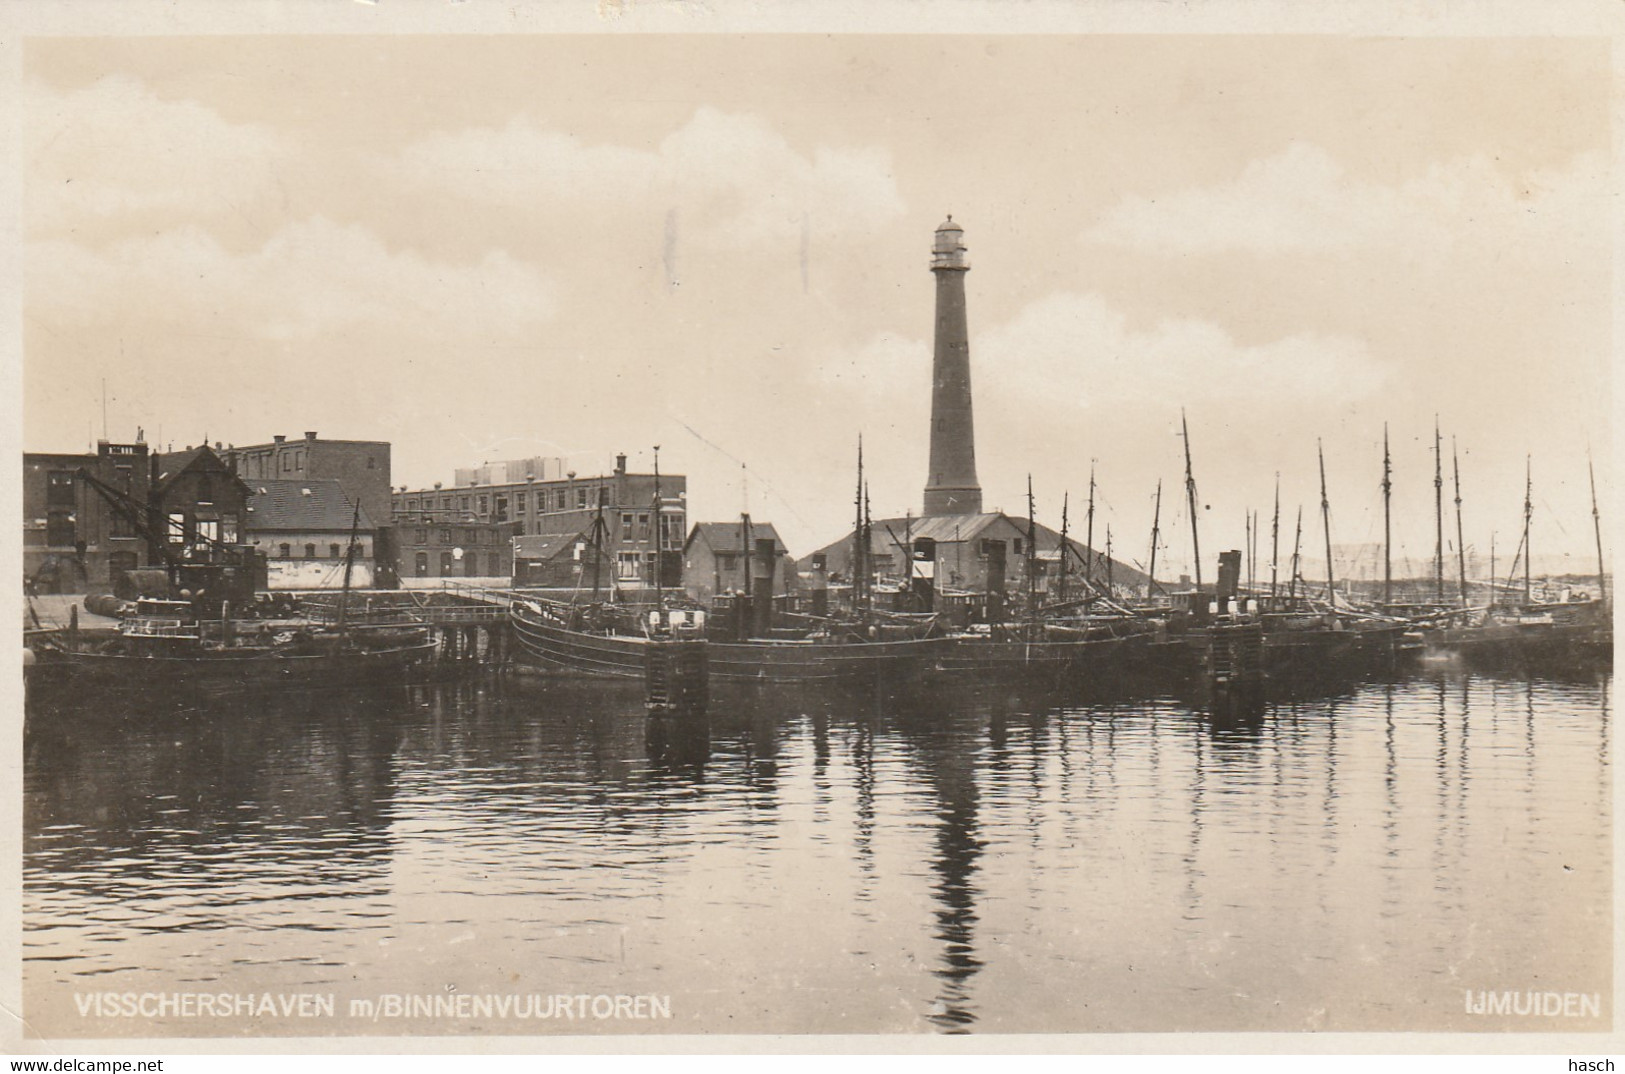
421	565
520	499
285	550
462	504
59	489
581	498
420	536
372	463
287	462
310	551
485	504
445	503
671	531
643	526
445	536
628	566
412	506
228	527
445	564
333	549
1017	544
208	531
626	523
177	528
59	529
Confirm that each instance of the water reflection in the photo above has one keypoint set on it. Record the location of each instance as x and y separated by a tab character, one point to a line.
804	860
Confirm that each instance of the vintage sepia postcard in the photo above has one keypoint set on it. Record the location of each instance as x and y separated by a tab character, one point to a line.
594	525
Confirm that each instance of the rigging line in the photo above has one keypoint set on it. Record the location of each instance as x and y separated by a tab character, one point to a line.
745	467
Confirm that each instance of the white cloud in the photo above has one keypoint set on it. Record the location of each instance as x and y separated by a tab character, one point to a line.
1303	200
115	147
729	176
311	281
1077	349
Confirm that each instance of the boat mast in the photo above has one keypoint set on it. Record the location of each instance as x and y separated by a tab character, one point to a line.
857	537
1089	533
660	593
1156	522
1247	539
1387	522
1297	547
1596	522
1109	582
1528	513
1032	554
1461	548
1066	551
868	545
1190	495
1438	513
349	564
1275	536
597	543
1494	589
1326	524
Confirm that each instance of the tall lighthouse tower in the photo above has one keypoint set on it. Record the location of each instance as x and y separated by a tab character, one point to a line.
951	487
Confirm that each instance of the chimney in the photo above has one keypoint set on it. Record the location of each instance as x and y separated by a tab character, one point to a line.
279	438
951	487
310	436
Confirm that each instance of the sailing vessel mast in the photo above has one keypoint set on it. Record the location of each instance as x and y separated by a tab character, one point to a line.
1190	495
660	593
1156	522
1089	532
1461	548
1247	539
1326	523
597	543
1065	552
1528	513
1387	523
1110	590
1275	537
858	548
1032	554
1438	513
1297	546
1596	522
349	565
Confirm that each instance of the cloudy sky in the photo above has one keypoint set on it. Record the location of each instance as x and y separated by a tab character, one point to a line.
495	247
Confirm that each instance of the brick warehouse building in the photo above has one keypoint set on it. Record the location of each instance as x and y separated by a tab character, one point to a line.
361	467
73	541
531	500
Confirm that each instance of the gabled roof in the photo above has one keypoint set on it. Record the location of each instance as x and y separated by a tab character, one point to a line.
175	463
315	504
725	536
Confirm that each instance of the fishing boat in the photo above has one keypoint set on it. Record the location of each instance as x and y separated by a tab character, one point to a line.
600	641
1550	627
184	640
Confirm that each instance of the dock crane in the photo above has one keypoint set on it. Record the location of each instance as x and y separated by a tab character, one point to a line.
204	570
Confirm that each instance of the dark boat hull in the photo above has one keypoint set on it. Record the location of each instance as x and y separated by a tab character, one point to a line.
560	649
228	669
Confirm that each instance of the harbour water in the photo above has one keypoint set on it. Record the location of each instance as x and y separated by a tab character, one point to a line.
1374	858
